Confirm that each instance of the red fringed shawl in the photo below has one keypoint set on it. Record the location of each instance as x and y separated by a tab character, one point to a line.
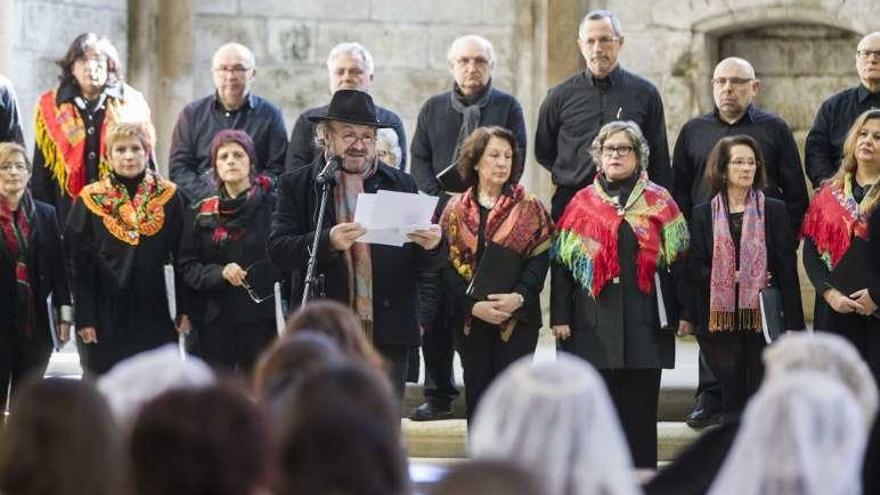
834	217
586	241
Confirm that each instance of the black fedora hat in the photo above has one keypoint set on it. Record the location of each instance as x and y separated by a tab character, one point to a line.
353	107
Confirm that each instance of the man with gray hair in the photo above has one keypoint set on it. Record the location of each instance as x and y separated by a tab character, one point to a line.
574	111
232	106
444	122
824	145
350	66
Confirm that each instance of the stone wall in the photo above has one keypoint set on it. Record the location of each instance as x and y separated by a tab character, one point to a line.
40	32
408	40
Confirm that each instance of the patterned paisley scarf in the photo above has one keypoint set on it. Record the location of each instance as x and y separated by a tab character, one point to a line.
357	257
518	221
17	234
834	217
586	239
723	298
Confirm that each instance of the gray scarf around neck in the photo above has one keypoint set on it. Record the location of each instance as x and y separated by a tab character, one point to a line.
470	114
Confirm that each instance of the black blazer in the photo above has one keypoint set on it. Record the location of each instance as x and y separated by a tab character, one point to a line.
396	270
47	270
781	262
202	262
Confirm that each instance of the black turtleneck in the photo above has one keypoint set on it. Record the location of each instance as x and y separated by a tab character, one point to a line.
131	183
620	189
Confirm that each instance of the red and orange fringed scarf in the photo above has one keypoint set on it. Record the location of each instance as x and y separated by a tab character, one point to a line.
834	217
586	239
127	219
518	221
61	136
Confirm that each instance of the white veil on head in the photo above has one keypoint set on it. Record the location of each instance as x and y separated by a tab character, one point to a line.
142	377
801	434
826	353
555	419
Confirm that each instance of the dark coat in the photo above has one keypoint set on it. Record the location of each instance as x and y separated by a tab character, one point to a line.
396	270
201	266
130	315
619	329
47	274
781	262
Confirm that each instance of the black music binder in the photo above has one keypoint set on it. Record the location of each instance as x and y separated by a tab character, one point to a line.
498	272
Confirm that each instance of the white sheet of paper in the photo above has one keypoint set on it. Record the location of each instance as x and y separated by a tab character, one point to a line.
279	311
170	291
389	215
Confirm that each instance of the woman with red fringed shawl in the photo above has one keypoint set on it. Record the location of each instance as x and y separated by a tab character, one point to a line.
837	216
614	238
494	333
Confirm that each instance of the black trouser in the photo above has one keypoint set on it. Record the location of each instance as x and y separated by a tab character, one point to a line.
484	356
20	357
398	359
235	347
561	196
635	393
708	395
439	351
735	359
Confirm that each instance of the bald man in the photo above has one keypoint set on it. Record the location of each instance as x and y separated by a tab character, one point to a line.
837	113
232	106
734	87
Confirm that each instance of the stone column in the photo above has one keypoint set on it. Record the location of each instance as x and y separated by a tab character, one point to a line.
160	62
7	7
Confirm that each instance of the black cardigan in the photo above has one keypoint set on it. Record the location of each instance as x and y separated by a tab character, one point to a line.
781	262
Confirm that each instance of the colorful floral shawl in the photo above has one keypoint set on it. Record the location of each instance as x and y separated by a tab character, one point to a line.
518	221
127	219
586	239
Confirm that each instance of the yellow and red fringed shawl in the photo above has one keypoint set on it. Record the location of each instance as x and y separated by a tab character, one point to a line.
586	239
834	217
61	136
518	222
127	219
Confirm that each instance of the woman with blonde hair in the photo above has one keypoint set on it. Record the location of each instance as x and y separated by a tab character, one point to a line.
123	230
836	221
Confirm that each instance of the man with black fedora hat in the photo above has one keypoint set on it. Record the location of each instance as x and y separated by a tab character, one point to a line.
380	283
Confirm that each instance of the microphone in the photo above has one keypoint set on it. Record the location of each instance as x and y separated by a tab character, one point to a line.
328	175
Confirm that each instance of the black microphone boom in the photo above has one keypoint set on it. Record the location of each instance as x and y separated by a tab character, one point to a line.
328	175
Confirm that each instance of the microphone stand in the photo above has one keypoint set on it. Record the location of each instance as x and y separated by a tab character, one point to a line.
326	180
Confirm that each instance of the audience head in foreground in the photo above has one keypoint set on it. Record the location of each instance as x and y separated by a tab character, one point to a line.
61	439
557	420
340	434
801	434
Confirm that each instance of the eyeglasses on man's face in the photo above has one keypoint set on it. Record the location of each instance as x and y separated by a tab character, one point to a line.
866	54
734	81
231	69
477	61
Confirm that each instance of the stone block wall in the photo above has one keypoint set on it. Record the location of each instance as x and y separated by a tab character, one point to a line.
408	40
40	32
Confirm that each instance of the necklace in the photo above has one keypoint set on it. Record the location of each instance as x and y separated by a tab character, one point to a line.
486	201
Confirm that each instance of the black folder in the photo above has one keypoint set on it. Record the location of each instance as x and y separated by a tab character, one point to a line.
855	271
450	180
498	272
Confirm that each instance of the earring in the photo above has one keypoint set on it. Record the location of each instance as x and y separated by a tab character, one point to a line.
476	167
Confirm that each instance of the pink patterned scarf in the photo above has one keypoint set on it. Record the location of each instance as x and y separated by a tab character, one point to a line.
723	299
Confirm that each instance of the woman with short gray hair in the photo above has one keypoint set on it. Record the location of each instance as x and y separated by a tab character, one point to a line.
616	239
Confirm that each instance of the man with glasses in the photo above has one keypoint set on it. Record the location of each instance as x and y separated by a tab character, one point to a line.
574	111
349	66
379	282
834	118
444	122
232	106
734	87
